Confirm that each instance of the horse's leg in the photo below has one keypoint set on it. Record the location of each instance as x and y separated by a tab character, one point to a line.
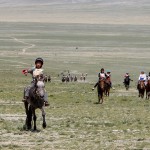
101	97
43	115
98	98
143	93
139	93
105	92
26	110
29	116
34	118
146	94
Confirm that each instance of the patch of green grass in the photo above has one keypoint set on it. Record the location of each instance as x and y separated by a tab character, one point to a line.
74	120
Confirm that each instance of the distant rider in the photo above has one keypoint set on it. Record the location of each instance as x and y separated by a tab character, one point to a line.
127	79
142	77
108	78
101	75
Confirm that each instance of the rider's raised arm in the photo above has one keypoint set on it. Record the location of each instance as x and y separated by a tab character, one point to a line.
31	70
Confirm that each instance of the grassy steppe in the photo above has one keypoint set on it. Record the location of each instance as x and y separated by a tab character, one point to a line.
74	120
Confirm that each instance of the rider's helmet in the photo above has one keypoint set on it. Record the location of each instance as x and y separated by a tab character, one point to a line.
39	60
142	72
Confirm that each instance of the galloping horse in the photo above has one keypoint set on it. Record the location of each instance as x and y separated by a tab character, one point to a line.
148	89
75	79
35	100
101	90
141	88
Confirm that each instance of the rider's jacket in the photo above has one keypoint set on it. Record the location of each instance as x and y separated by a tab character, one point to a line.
102	75
108	76
142	77
35	72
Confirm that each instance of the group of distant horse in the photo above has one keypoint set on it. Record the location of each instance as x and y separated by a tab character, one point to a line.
104	86
141	87
69	79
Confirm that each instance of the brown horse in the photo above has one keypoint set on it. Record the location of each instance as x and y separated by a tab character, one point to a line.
101	90
141	88
148	89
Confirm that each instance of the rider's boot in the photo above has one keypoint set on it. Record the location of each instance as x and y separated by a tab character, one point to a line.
25	99
46	103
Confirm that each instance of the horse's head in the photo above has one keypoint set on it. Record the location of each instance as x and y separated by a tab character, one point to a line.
102	83
40	91
142	85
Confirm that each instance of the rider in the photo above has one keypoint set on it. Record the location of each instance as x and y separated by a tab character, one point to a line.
101	75
108	77
35	71
127	76
142	77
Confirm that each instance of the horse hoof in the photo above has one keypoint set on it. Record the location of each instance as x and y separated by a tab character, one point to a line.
24	127
44	125
28	128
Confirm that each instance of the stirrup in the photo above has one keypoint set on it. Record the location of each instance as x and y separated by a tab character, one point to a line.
24	100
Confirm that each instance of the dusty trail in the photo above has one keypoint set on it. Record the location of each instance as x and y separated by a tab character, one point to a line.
26	48
23	51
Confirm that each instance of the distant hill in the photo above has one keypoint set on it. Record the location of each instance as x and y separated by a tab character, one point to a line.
5	3
76	11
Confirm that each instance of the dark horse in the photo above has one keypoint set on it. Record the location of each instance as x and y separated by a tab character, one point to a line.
63	79
141	88
49	78
127	82
75	79
148	89
35	100
101	90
